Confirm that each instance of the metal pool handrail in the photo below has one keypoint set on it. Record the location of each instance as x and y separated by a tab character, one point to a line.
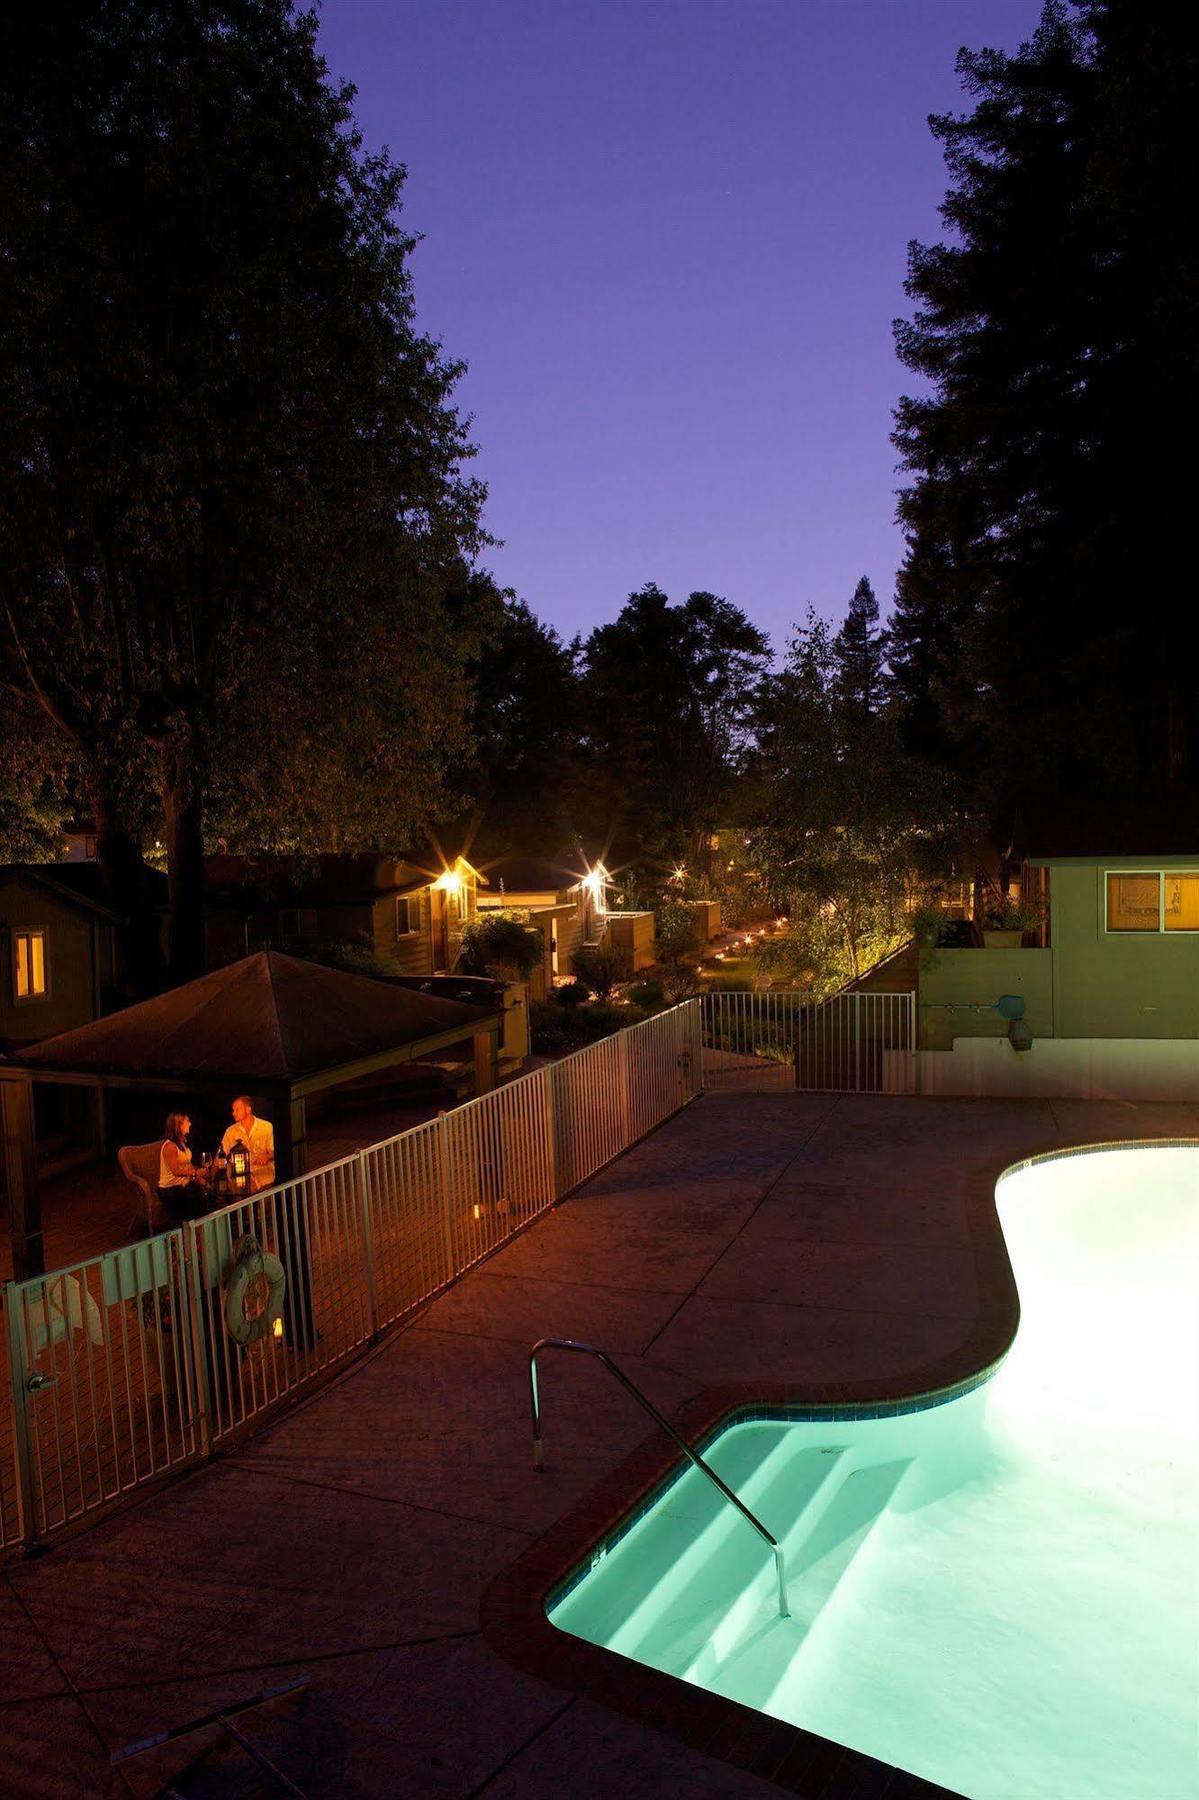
552	1343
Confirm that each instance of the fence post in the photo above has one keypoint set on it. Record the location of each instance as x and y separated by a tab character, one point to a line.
857	1042
19	1371
195	1295
554	1131
447	1224
622	1061
368	1243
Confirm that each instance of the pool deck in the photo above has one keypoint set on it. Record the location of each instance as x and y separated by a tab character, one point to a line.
794	1242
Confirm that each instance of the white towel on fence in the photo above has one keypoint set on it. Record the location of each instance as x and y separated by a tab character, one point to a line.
69	1307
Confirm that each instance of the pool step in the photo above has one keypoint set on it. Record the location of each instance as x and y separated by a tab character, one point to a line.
815	1567
680	1568
677	1552
747	1576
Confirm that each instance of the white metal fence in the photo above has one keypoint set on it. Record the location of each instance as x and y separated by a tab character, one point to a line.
121	1368
857	1043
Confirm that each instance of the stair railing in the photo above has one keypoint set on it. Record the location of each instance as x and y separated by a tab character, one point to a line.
693	1456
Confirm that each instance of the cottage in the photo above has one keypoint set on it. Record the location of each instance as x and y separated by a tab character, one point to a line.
61	952
64	956
408	916
568	900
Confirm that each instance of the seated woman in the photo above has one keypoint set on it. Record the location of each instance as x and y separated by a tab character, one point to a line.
182	1196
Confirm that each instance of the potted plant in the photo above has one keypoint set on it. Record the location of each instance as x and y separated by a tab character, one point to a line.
1005	922
926	923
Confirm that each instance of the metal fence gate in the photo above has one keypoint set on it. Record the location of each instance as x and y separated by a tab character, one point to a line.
767	1042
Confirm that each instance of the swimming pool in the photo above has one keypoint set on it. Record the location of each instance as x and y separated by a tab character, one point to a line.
998	1593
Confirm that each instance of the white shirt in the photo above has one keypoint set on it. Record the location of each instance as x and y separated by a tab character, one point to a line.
167	1177
260	1142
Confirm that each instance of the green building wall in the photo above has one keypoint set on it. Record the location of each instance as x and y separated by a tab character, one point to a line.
1090	983
1117	984
953	982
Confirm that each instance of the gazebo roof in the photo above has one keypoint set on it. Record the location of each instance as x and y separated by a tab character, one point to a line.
270	1019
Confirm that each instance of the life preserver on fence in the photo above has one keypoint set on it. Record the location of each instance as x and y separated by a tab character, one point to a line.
253	1293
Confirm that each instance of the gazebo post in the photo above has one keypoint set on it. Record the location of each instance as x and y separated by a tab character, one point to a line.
485	1043
291	1137
24	1194
291	1161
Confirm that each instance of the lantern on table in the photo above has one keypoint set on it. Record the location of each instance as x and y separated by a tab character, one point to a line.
239	1168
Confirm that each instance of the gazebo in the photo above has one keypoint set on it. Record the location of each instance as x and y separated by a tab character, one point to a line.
274	1026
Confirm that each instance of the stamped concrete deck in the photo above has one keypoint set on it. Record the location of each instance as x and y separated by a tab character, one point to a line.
790	1238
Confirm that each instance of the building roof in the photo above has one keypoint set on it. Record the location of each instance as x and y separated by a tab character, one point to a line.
267	1019
250	884
80	884
1100	826
536	874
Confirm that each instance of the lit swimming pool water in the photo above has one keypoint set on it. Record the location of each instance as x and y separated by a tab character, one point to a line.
1000	1593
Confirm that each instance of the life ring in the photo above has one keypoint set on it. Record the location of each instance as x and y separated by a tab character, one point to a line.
253	1293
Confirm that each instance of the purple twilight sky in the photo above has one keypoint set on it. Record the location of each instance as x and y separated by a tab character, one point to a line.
668	236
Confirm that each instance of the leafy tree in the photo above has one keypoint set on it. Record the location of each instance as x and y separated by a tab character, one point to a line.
34	789
860	649
667	703
1042	637
677	946
676	932
525	730
368	741
223	441
847	820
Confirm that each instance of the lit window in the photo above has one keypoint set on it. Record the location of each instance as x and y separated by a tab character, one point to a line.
1133	902
29	964
407	915
1154	901
1182	901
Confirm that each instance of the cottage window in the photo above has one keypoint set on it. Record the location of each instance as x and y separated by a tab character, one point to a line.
1153	900
29	965
407	915
1182	901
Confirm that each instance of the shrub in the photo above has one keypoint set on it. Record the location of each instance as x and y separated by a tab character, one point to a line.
681	981
648	994
572	993
676	932
502	944
352	958
926	923
550	1029
599	965
556	1030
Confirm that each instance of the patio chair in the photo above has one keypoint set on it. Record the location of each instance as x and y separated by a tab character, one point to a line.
139	1164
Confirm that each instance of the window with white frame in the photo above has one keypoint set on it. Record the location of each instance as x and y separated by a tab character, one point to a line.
407	915
29	965
1152	900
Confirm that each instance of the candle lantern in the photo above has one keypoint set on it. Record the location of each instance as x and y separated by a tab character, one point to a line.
239	1168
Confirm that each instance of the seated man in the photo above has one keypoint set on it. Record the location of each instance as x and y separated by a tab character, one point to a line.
259	1138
